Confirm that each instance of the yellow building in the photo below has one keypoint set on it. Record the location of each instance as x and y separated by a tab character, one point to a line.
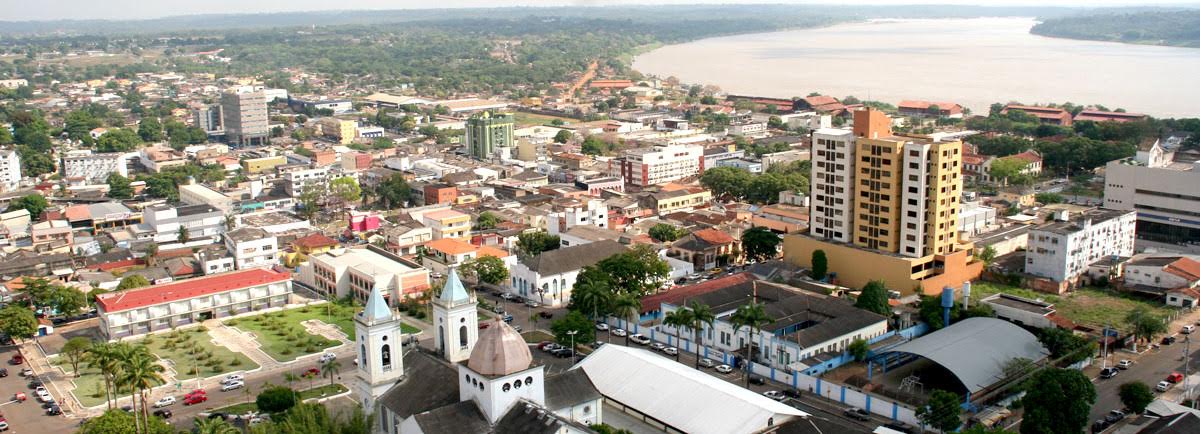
342	130
262	164
448	223
855	266
675	198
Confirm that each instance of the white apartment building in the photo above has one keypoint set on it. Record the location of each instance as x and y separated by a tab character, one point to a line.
915	198
161	307
95	168
356	271
198	194
748	129
810	120
10	169
1161	188
549	277
252	248
661	164
592	213
1063	249
832	185
295	181
204	223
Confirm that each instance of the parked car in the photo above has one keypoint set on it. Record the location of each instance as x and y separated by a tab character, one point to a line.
543	344
532	303
233	386
658	346
1109	372
17	359
707	363
620	333
1162	386
3	372
1175	377
4	426
724	369
325	358
1124	364
1188	329
26	372
165	401
754	379
1099	426
517	328
774	394
601	326
639	339
857	414
671	351
1168	340
508	318
195	399
163	413
1114	416
498	309
54	410
562	353
546	314
239	377
791	393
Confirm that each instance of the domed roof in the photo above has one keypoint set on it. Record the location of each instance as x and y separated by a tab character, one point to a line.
499	351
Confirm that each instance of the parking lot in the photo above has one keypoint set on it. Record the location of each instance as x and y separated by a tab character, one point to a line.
29	416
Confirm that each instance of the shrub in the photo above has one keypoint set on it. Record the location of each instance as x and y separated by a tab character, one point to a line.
216	369
191	371
235	362
231	323
310	349
286	351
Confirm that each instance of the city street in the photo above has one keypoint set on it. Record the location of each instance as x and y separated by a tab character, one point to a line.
1150	367
29	416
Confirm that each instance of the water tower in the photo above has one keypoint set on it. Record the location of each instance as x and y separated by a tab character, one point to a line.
966	294
947	304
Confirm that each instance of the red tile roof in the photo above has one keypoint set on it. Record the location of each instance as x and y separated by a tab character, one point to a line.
1028	156
1102	116
713	236
187	289
1185	268
677	296
819	100
315	240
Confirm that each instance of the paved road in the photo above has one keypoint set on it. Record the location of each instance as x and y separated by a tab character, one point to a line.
29	416
1150	367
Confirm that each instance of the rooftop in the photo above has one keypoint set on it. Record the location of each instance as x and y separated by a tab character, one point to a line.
976	349
571	258
187	289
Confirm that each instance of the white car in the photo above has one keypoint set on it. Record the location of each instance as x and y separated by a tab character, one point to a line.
1124	364
774	394
233	377
1162	386
707	363
233	385
620	333
724	369
328	357
671	351
3	425
601	326
165	401
639	339
657	346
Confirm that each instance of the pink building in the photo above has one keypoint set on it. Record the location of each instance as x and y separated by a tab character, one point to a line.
362	221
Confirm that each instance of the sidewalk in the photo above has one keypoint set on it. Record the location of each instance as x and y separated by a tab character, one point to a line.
240	342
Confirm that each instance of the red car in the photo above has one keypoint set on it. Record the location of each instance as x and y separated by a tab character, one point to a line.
17	359
1175	377
195	399
312	371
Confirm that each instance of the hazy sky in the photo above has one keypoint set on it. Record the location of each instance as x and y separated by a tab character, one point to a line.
20	10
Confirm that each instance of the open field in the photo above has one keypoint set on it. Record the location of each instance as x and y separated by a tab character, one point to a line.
1095	307
315	392
527	119
284	338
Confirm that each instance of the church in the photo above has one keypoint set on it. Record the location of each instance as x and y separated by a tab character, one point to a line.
476	380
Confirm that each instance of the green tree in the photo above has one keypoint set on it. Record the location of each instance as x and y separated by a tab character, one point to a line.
1008	170
330	369
1136	396
820	265
394	191
487	220
18	322
120	422
760	244
592	145
627	307
487	268
874	298
6	137
562	136
942	412
118	140
213	426
585	331
1066	345
1144	324
34	203
753	318
534	243
664	232
309	200
702	317
1048	198
727	181
183	235
132	281
345	189
35	162
987	256
276	399
1057	401
636	271
591	297
67	300
860	349
682	319
150	130
118	187
75	350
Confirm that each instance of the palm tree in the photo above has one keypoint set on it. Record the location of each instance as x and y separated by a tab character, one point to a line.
291	379
681	318
330	369
213	426
627	306
310	376
590	296
102	357
151	251
753	317
702	317
141	373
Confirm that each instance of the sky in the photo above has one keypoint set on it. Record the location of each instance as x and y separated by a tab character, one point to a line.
24	10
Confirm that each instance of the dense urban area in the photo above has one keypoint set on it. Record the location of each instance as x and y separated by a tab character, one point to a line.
491	223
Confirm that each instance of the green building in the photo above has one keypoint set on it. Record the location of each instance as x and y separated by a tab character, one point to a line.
486	132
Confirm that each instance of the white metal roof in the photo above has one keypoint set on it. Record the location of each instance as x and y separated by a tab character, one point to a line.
679	395
976	349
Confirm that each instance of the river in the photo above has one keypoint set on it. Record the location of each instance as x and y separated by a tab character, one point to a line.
974	62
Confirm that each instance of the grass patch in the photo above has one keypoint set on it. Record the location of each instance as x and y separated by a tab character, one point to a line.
181	347
1095	307
524	119
315	392
284	338
536	336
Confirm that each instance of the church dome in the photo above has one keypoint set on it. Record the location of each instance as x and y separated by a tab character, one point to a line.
499	351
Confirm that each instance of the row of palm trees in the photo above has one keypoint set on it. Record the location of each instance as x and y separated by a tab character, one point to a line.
697	316
130	367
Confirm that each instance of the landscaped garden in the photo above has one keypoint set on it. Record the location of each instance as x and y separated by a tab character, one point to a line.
1095	307
284	338
190	351
316	392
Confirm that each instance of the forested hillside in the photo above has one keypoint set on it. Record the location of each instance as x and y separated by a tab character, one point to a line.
1160	27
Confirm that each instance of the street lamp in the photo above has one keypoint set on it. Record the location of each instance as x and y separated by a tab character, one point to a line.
572	333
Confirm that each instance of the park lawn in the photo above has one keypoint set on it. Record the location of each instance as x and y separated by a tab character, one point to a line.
315	392
536	336
525	119
269	328
1095	307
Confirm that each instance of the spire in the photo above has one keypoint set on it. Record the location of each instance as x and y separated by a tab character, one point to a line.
377	308
454	292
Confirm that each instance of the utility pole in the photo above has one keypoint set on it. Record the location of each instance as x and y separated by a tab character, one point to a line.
572	334
1104	354
1187	390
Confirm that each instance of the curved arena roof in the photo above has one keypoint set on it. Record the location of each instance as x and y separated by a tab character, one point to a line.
976	349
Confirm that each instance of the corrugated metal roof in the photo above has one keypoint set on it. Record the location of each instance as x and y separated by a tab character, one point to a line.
976	349
675	394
